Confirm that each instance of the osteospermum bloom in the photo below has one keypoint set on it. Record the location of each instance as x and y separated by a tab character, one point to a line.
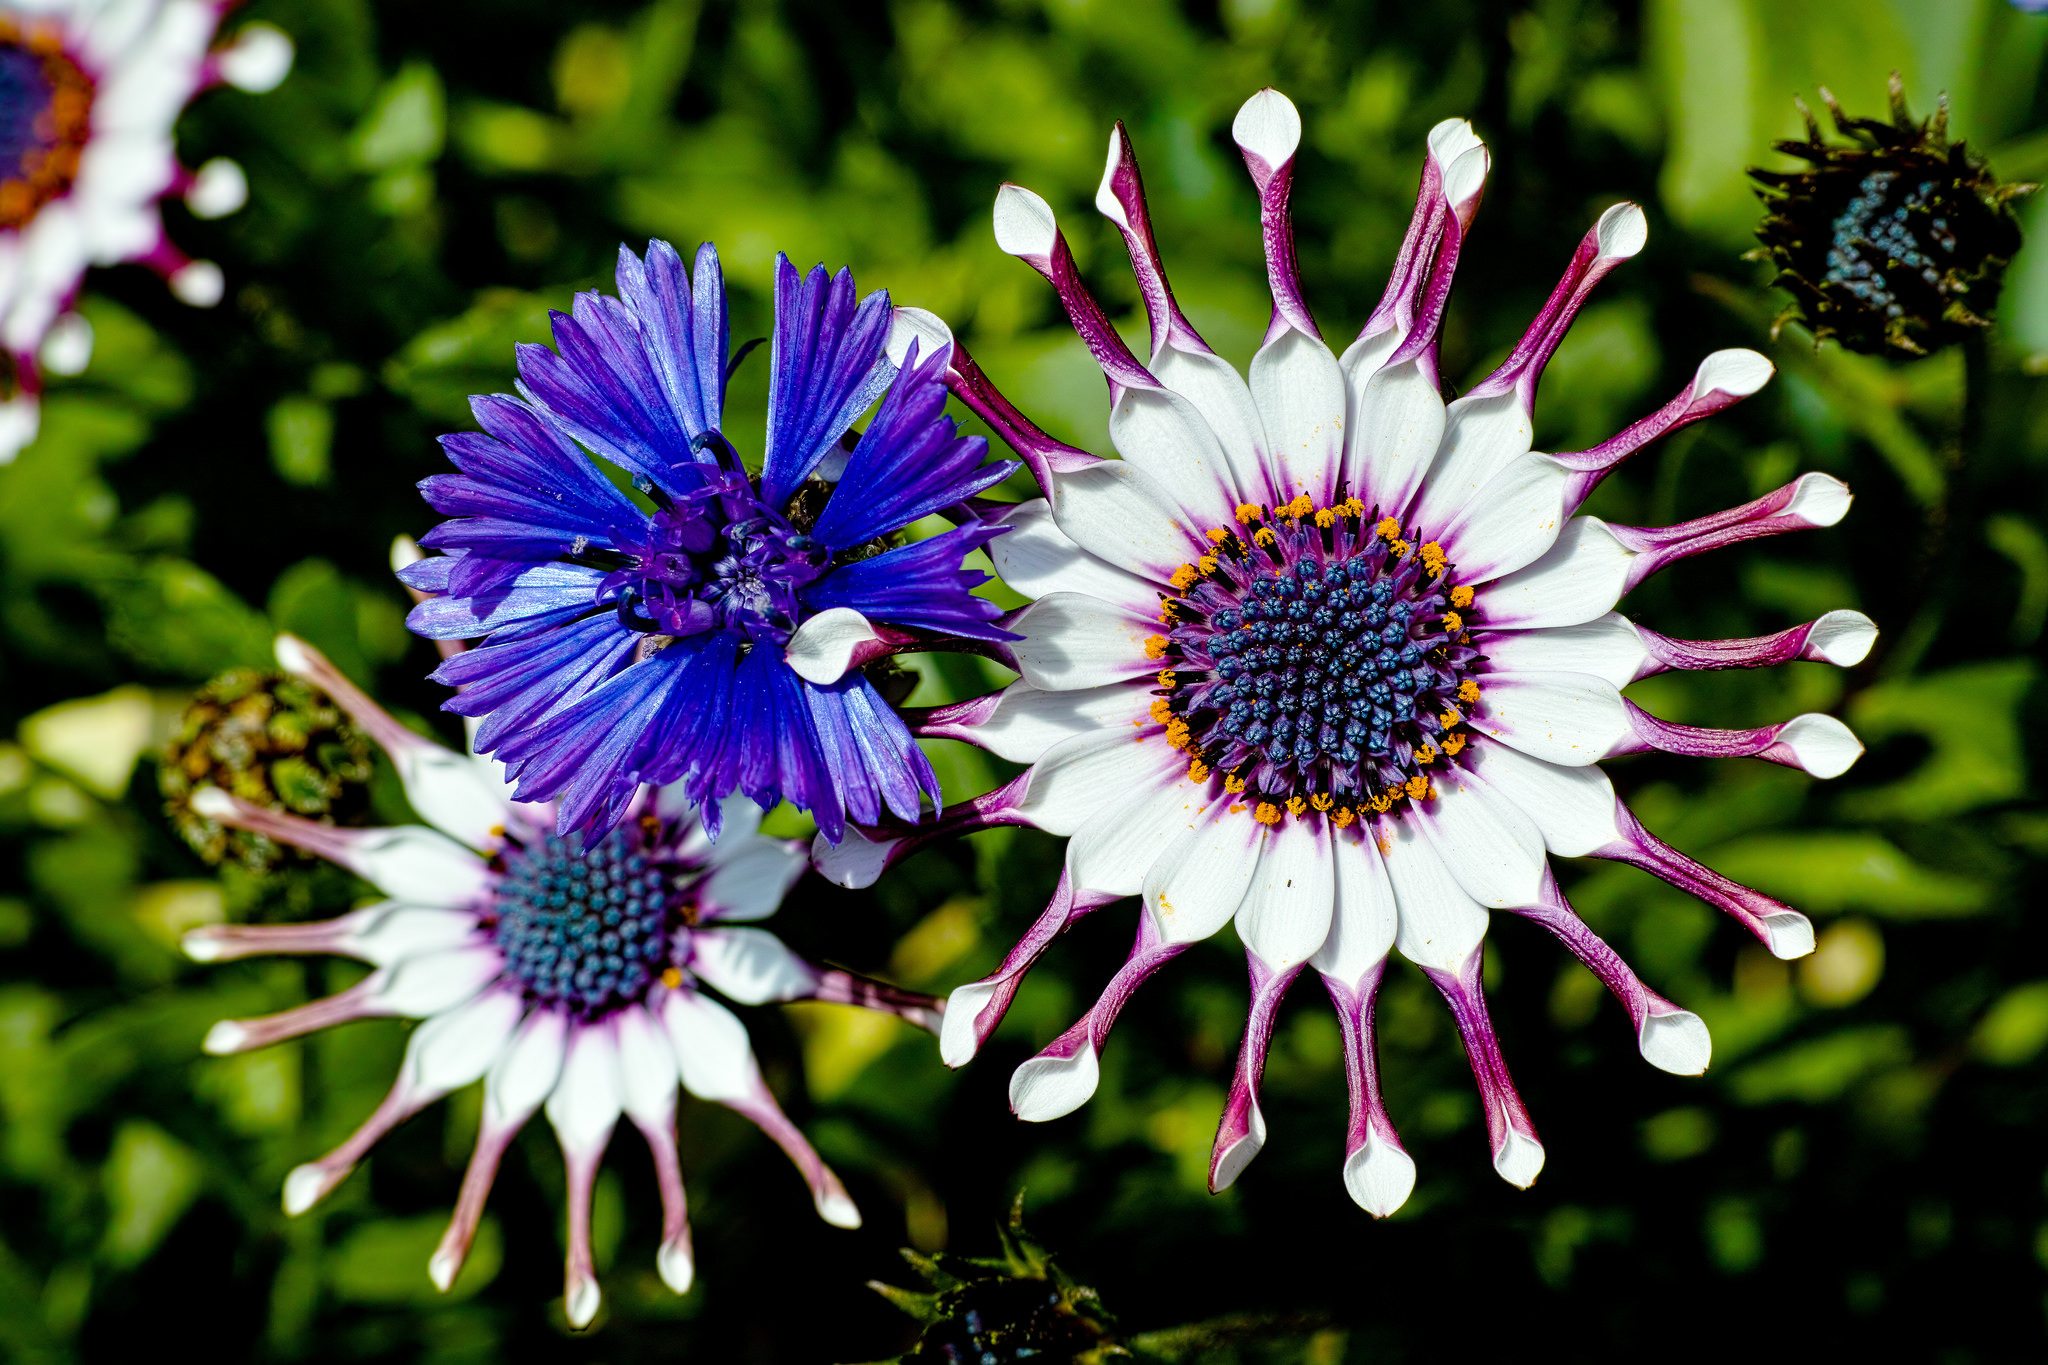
704	638
567	973
89	90
1329	658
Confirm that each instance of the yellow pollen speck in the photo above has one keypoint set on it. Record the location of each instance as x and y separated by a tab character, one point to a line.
1433	558
1218	534
1207	564
1177	733
1184	577
1301	506
1343	818
1450	717
1236	807
1263	536
1198	771
1247	513
1386	845
1468	691
1233	783
1168	679
1461	597
1295	805
1353	507
1155	646
1453	743
1162	712
1267	813
1322	800
1426	754
1418	786
672	977
1382	802
1327	517
1453	622
1389	529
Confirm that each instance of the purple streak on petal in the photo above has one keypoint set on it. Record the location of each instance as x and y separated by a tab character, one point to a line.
1773	514
1241	1131
760	1108
1640	848
1369	1118
1523	368
826	366
1507	1119
1119	367
1124	189
493	1137
957	720
402	1101
1148	954
579	1270
1432	297
836	987
1274	183
331	842
990	997
1818	641
1694	741
1589	467
668	1177
909	463
1411	264
361	1001
1042	455
224	942
541	595
1557	915
920	585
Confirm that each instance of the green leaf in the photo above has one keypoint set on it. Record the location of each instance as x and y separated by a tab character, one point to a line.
2015	1029
1849	870
150	1179
386	1261
1970	715
1823	1069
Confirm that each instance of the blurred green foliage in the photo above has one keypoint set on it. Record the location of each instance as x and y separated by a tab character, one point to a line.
432	179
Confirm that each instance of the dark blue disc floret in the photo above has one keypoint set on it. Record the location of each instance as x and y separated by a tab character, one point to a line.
586	928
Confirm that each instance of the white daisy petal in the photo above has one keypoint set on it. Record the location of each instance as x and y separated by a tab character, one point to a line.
1569	718
1114	852
647	1067
1300	395
1285	916
1073	641
1114	511
1493	850
751	880
1440	925
1038	559
1364	922
1021	722
1079	776
1579	577
749	966
1608	647
1201	877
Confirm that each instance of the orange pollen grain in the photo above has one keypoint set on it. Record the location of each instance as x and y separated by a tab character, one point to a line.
1218	534
672	977
1461	597
1450	717
1418	786
1162	712
1468	691
1388	528
1453	622
1322	800
1198	771
1233	783
1168	679
1426	754
1236	807
1184	577
1155	646
1264	536
1343	818
1267	813
1246	513
1453	743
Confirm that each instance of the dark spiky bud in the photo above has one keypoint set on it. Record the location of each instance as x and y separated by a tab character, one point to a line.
1021	1309
275	742
1895	243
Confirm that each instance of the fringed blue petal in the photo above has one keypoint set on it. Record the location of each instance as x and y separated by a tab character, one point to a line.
920	585
522	682
542	595
683	326
826	367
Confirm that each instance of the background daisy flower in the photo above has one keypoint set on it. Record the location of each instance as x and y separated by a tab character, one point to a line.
568	974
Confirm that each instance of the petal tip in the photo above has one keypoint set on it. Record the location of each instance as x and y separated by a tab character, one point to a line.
1678	1043
1024	223
1379	1176
677	1266
1737	372
580	1303
443	1268
226	1037
1820	744
1047	1088
213	803
1842	638
1519	1159
307	1185
836	1208
1788	934
1268	126
1622	231
1819	500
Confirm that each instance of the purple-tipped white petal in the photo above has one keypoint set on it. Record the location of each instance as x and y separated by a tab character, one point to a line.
974	1010
826	645
1568	718
409	862
855	860
1814	743
583	1109
1241	1130
516	1086
1723	379
378	934
1517	1152
749	966
414	988
1063	1077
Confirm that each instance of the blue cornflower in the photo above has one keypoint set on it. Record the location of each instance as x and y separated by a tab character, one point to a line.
709	632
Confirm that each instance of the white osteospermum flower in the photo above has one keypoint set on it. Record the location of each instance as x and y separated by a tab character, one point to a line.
566	978
89	91
1333	660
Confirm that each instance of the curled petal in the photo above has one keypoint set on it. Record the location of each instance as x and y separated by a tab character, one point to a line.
974	1010
1063	1076
1517	1151
1814	743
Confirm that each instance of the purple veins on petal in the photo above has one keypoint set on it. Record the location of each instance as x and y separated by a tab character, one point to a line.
684	324
1241	1131
1517	1152
920	585
537	597
826	367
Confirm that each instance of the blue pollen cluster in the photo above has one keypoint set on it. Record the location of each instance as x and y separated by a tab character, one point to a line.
586	929
1319	664
1870	239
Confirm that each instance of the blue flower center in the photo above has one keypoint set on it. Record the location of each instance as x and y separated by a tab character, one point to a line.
588	929
45	116
1317	659
717	558
1884	239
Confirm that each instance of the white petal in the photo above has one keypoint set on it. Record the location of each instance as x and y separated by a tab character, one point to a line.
1677	1042
1301	399
1580	577
750	966
750	882
1822	745
1569	718
1071	640
408	931
647	1067
1493	850
1038	559
1573	806
1114	511
1397	420
1200	880
1219	393
1113	852
432	982
1078	777
588	1099
1026	721
1285	916
414	863
199	284
1046	1088
855	860
1161	433
1268	126
1843	638
713	1053
259	59
1362	928
1520	1159
1379	1176
928	330
1440	925
821	649
1607	648
67	350
1024	223
526	1072
453	1049
1482	436
218	189
1510	522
